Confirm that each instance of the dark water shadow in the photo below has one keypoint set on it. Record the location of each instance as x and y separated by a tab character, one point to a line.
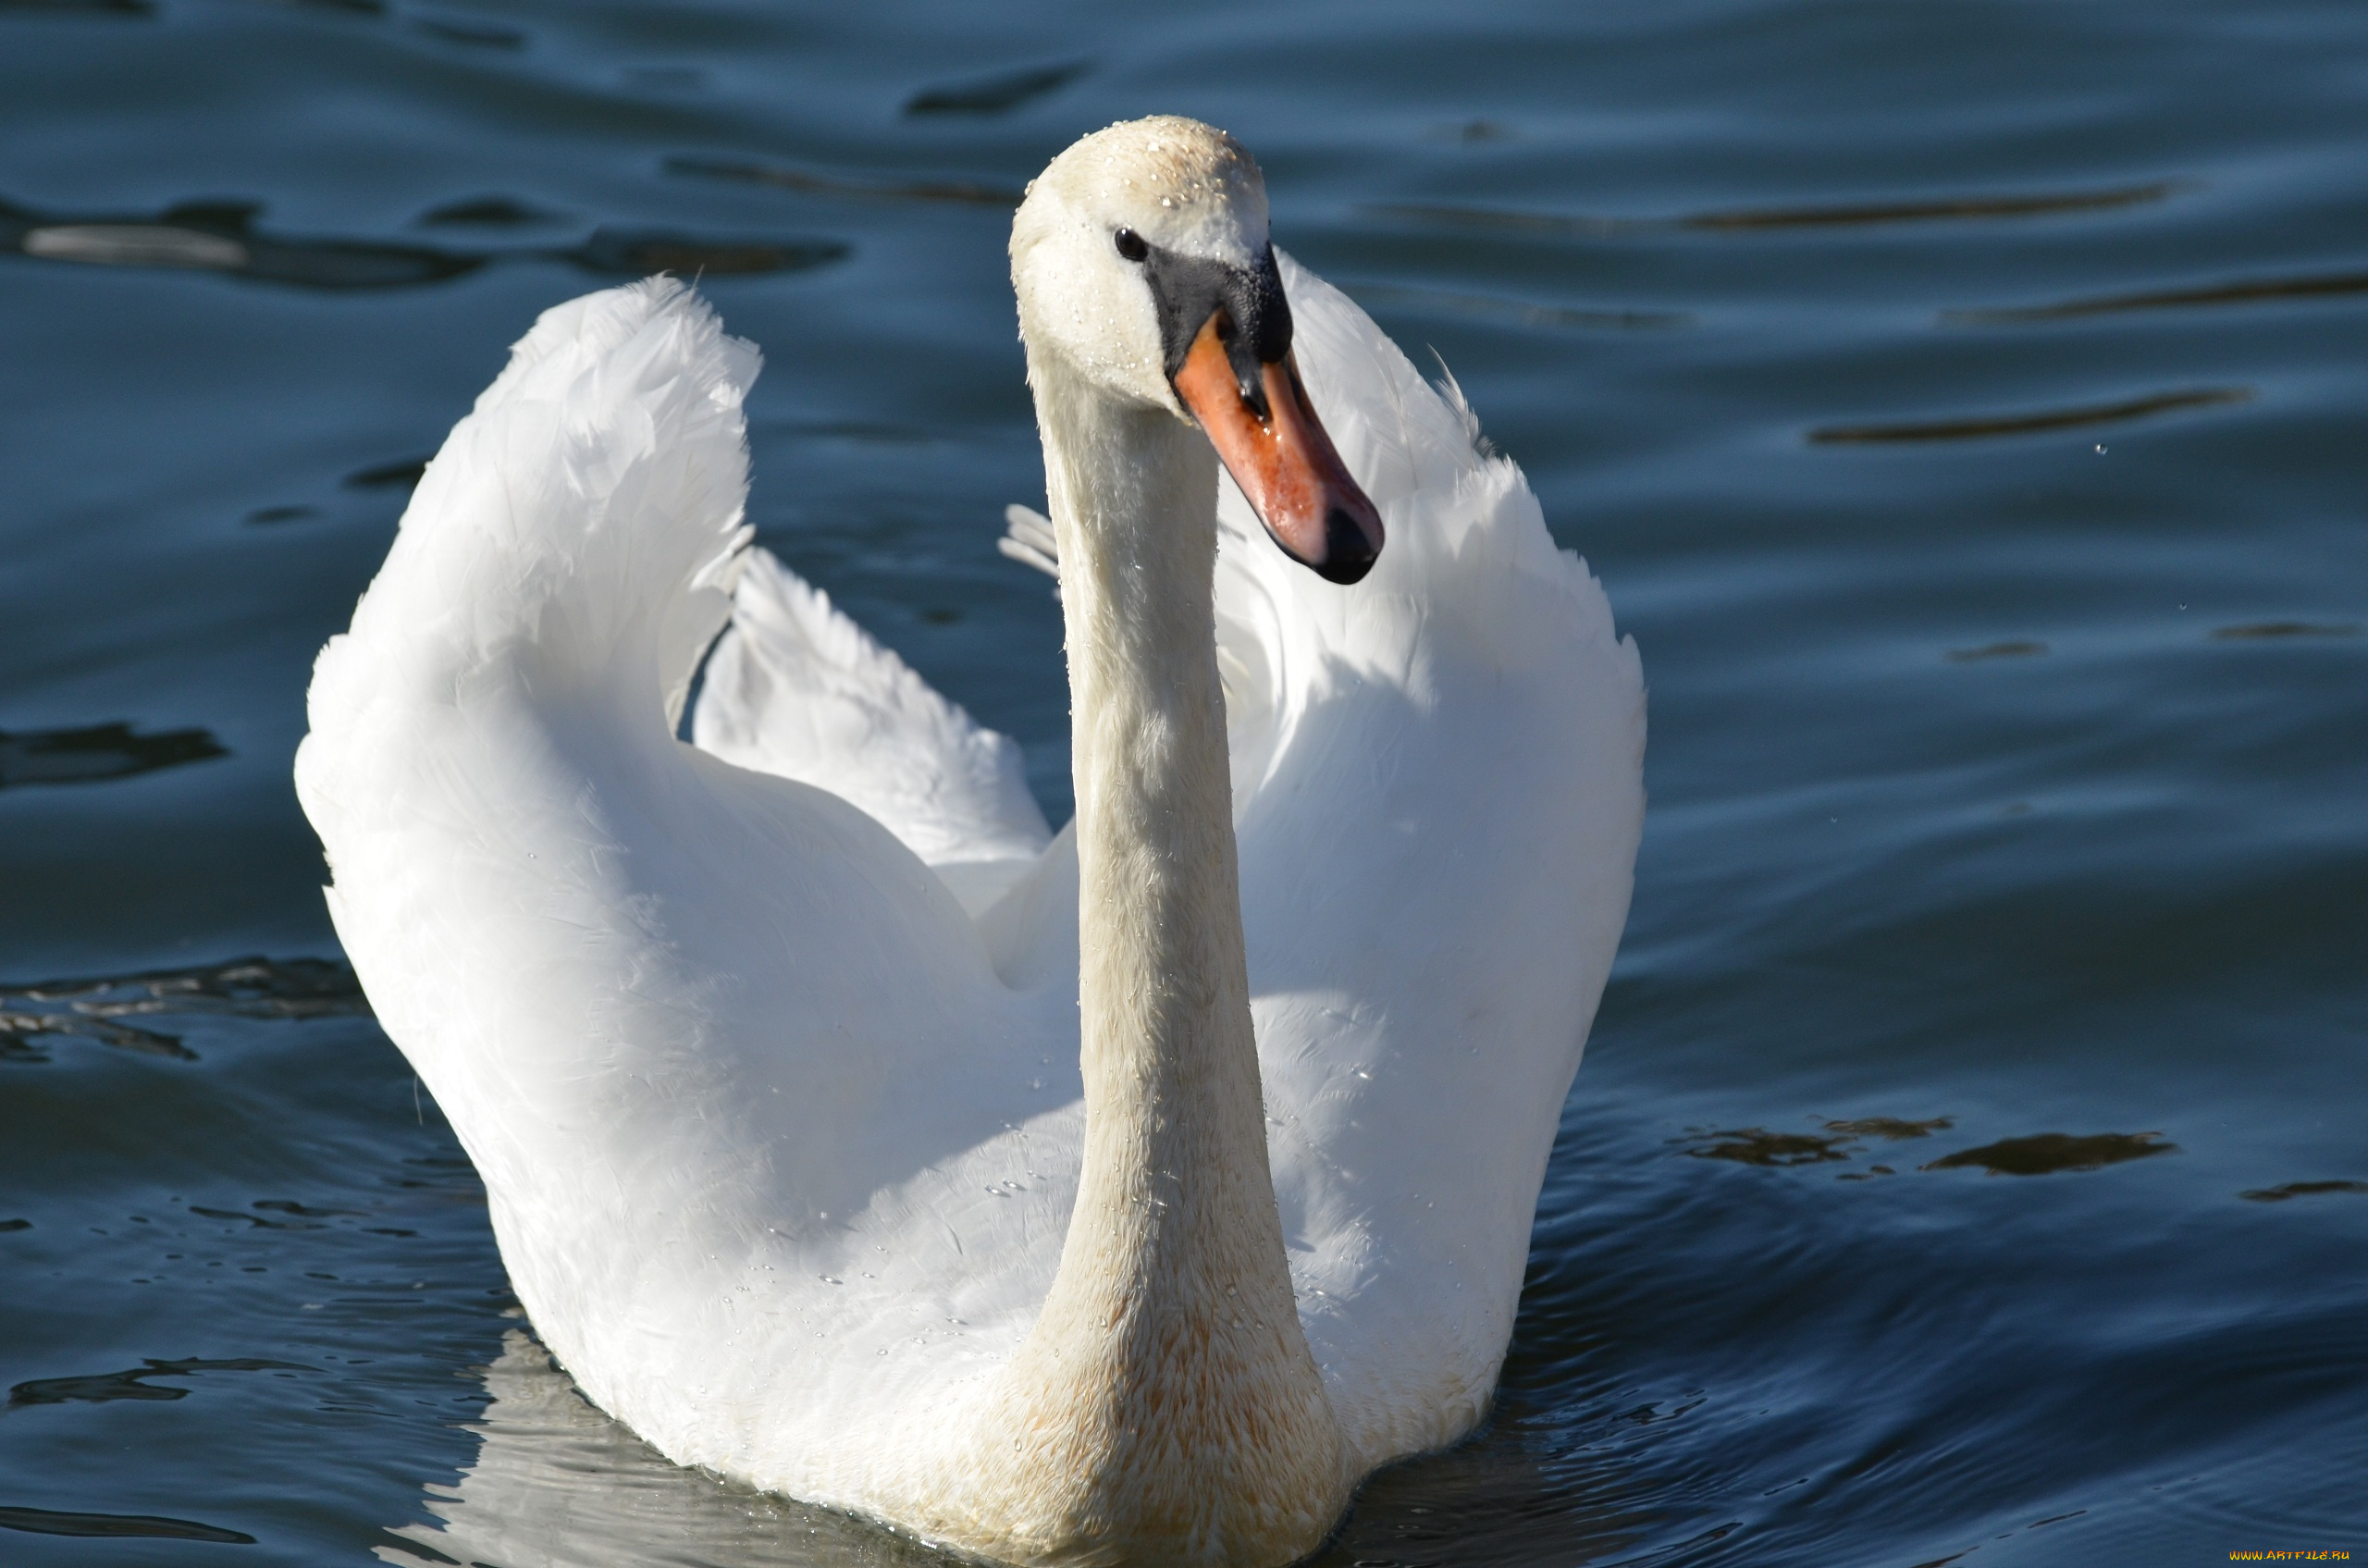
1981	426
1490	1499
1490	219
1515	310
1891	1128
82	8
303	1215
626	252
1840	1142
96	1008
222	237
20	1033
247	988
1763	220
2273	631
2300	1189
95	753
100	1388
2244	291
1756	1145
51	1522
2049	1154
470	32
404	473
782	176
485	212
867	432
996	94
1941	209
1469	132
2020	649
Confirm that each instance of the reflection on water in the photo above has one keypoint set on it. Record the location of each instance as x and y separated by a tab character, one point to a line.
133	244
556	1484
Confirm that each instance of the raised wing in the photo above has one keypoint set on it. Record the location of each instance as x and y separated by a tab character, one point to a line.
1438	796
796	688
749	1095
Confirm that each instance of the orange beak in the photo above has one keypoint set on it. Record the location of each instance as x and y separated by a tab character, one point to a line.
1270	441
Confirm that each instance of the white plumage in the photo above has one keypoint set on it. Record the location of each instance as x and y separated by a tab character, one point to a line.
768	1049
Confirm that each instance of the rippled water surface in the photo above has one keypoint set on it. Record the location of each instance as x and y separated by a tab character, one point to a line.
1963	403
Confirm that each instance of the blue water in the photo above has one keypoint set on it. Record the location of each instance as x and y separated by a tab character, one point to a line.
1962	402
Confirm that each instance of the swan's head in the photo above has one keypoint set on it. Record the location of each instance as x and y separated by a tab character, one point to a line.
1142	265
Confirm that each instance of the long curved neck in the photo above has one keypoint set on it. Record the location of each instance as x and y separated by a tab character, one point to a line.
1168	1374
1175	1135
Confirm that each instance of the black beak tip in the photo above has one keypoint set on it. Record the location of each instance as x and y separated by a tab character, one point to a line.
1348	550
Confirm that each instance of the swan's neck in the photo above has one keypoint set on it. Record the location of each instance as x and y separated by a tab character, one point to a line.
1167	1380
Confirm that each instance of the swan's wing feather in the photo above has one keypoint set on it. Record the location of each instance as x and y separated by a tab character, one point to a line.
1439	797
796	688
1028	539
750	1100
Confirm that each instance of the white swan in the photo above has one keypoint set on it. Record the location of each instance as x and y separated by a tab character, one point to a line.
820	1148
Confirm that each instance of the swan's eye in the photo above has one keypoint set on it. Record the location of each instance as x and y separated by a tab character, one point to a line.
1131	246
